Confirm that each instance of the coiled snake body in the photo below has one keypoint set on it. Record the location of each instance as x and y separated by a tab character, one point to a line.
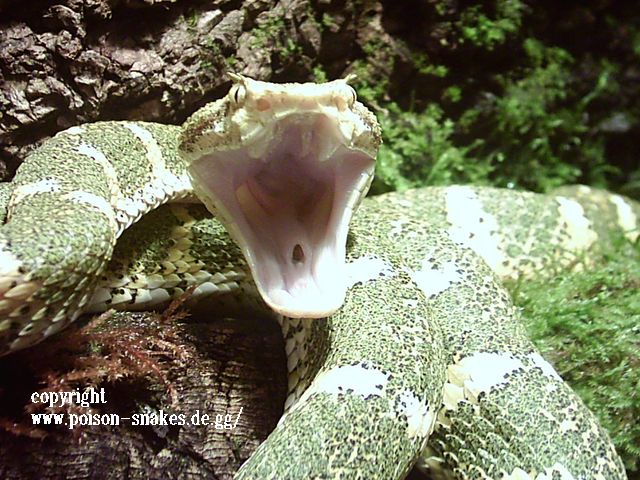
422	353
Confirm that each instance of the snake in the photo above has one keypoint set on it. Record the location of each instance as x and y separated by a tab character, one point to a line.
403	345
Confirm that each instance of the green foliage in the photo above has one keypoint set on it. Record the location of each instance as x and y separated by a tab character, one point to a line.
535	134
319	75
535	129
526	109
370	87
515	106
290	48
453	94
205	65
425	67
418	149
192	19
269	29
476	27
232	63
328	21
373	46
213	47
213	53
588	325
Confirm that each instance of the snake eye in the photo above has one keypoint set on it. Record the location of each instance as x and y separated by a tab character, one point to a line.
344	98
353	98
238	94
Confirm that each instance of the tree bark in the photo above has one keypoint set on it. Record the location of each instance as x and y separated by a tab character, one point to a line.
68	62
232	371
64	63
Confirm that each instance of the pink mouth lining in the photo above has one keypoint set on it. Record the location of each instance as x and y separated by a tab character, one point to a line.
289	210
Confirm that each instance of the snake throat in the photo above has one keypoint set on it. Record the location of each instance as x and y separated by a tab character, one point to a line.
287	199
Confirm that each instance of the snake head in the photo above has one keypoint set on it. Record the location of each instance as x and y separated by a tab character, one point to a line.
284	166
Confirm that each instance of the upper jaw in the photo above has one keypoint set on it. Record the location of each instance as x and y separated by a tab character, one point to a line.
287	195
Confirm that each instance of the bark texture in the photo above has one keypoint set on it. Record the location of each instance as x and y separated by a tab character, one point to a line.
525	94
69	62
218	368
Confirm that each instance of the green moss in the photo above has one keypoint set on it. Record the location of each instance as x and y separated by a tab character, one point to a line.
370	85
290	48
588	325
524	102
213	47
205	65
374	47
192	19
534	112
212	55
424	67
418	149
537	129
268	30
328	21
232	63
479	29
531	131
319	75
453	94
535	134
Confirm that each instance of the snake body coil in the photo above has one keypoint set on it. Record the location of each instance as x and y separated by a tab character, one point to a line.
503	411
427	356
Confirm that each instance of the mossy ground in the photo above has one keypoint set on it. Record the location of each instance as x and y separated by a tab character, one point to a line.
525	96
588	325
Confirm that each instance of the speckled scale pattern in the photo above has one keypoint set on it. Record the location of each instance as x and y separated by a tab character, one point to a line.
54	271
604	208
422	307
500	397
98	178
428	346
486	427
173	248
5	193
372	380
551	231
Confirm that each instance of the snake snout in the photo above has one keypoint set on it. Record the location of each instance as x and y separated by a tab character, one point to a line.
287	198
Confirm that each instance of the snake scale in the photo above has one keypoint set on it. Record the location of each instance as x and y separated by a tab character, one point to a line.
420	355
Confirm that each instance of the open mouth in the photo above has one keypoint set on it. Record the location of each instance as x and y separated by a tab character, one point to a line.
287	198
